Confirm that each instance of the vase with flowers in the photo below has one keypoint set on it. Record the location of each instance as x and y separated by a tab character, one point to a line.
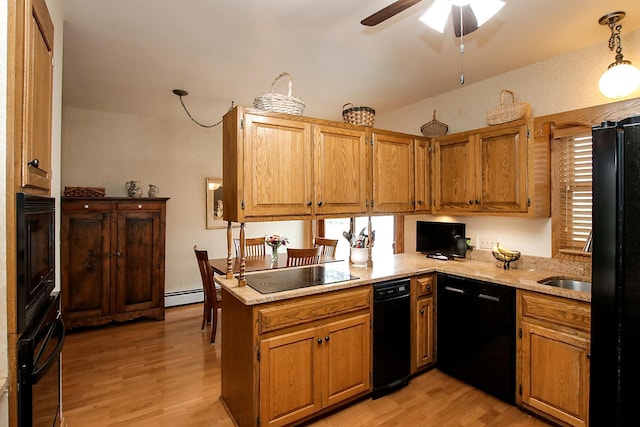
275	241
360	244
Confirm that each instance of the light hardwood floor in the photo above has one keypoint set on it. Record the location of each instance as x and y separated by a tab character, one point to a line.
154	373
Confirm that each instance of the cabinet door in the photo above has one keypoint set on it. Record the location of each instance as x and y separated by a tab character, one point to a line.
502	178
424	332
139	261
290	377
393	173
555	373
454	174
277	167
85	265
346	359
38	66
423	176
340	170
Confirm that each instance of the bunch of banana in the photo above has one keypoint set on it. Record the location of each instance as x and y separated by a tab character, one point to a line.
502	250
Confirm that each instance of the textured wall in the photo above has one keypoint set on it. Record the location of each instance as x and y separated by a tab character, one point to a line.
563	83
103	149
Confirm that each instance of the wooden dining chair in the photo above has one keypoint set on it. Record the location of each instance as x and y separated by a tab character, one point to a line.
309	256
329	246
212	294
253	246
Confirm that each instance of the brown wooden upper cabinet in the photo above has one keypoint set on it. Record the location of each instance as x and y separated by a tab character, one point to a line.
393	172
422	175
279	166
494	170
36	96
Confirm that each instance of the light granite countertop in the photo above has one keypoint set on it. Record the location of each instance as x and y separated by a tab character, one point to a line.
411	264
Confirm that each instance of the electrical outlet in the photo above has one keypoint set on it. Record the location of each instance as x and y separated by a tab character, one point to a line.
487	242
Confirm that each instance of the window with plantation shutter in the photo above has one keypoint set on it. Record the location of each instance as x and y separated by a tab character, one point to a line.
571	153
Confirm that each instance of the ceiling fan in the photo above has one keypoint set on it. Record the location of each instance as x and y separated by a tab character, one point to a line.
472	13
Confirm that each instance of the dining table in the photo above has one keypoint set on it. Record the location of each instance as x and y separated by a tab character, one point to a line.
259	263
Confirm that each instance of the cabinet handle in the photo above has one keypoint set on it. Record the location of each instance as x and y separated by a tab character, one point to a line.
326	338
319	340
35	163
309	203
428	287
589	356
422	311
477	202
420	202
86	206
470	202
139	206
320	203
118	253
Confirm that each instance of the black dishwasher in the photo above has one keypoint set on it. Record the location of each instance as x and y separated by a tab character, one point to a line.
476	334
391	336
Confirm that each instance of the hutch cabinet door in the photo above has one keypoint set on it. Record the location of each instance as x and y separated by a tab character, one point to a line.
278	167
85	264
393	173
139	261
340	159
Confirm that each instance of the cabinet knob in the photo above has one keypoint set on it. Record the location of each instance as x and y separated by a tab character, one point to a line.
420	202
309	203
319	340
428	287
320	203
139	206
477	202
35	163
118	253
86	206
326	338
470	202
422	311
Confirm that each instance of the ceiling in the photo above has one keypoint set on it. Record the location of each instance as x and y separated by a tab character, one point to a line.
127	55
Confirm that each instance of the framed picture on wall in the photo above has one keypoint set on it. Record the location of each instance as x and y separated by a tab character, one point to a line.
215	207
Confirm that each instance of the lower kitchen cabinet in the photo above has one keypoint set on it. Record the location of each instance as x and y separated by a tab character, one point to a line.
306	371
554	357
423	321
286	361
112	260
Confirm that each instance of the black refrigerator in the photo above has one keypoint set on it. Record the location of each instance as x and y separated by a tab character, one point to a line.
615	291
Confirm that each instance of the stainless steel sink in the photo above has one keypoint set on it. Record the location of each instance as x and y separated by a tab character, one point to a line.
567	283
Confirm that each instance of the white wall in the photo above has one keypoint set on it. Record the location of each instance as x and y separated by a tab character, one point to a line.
563	83
103	149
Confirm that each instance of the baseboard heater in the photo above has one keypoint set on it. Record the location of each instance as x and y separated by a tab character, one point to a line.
172	299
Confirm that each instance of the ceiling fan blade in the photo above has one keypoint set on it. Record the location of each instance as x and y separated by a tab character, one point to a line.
387	12
469	20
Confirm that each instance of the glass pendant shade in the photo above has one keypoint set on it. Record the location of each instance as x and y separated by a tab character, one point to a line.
619	80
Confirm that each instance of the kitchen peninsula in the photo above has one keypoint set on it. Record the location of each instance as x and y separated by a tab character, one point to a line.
292	355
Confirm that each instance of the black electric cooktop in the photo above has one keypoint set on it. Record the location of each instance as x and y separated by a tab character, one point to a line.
286	279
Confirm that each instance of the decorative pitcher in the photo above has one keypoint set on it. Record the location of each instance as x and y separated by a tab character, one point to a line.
133	188
153	190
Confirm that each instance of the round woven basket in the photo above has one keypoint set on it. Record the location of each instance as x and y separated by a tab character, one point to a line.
363	116
280	103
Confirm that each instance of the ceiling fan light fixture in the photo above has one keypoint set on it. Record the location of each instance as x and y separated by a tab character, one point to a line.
621	77
485	9
437	14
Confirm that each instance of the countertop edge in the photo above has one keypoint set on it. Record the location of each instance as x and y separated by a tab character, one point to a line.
408	265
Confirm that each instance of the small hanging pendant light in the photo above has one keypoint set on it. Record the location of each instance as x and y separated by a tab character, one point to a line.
621	78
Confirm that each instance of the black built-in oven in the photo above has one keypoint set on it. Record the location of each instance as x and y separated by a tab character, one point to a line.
39	351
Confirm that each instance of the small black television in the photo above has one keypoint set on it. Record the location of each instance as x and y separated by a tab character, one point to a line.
441	239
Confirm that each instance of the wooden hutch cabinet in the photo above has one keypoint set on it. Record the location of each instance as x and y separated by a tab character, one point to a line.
112	260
